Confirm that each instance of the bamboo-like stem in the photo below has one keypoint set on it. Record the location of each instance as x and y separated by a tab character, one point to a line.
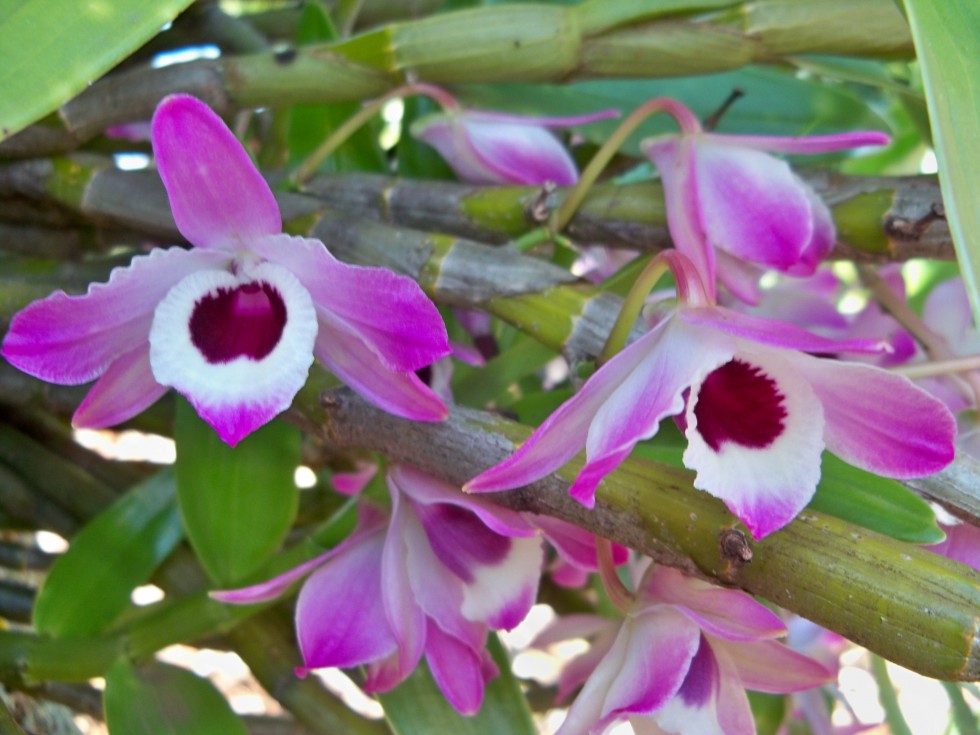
523	42
869	588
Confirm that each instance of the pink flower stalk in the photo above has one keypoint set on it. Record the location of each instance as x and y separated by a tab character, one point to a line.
445	570
496	148
726	193
680	661
234	323
755	403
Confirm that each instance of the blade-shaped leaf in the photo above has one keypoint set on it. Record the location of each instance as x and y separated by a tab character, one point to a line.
90	584
165	700
417	707
51	49
947	40
874	502
236	504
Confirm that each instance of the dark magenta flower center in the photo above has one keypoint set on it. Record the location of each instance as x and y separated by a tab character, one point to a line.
739	403
246	321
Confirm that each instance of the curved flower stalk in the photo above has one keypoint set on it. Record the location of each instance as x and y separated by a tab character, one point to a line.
432	580
485	147
756	405
234	323
726	193
680	661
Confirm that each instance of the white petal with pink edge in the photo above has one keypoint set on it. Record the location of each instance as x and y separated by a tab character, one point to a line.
238	395
764	480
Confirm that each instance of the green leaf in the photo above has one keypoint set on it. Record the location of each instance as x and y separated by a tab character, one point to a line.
417	707
90	584
237	504
874	502
157	699
52	49
769	711
948	44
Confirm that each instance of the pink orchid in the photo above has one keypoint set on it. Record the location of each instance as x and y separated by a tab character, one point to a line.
496	148
757	407
680	661
444	571
234	323
726	192
962	543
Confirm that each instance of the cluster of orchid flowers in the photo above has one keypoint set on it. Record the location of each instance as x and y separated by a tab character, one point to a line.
235	322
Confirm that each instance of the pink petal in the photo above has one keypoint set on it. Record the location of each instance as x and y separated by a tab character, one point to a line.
727	613
568	121
389	312
751	204
218	197
880	421
351	483
457	669
73	339
775	332
676	357
822	240
424	488
740	277
947	311
347	356
494	151
125	388
674	158
764	486
962	544
809	145
236	393
340	620
770	666
575	544
641	672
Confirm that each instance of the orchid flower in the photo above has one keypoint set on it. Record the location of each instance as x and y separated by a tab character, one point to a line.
234	323
496	148
444	571
680	661
757	406
726	192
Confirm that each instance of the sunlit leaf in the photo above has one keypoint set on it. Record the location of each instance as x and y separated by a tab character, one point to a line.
236	504
51	49
90	584
947	41
157	699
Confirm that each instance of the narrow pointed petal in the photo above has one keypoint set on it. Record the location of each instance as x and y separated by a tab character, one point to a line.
457	670
400	393
73	339
340	620
755	439
775	332
389	312
727	613
563	434
218	198
369	522
239	363
674	158
642	671
577	671
125	388
405	615
880	421
575	544
568	121
751	204
807	145
679	357
740	277
770	666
